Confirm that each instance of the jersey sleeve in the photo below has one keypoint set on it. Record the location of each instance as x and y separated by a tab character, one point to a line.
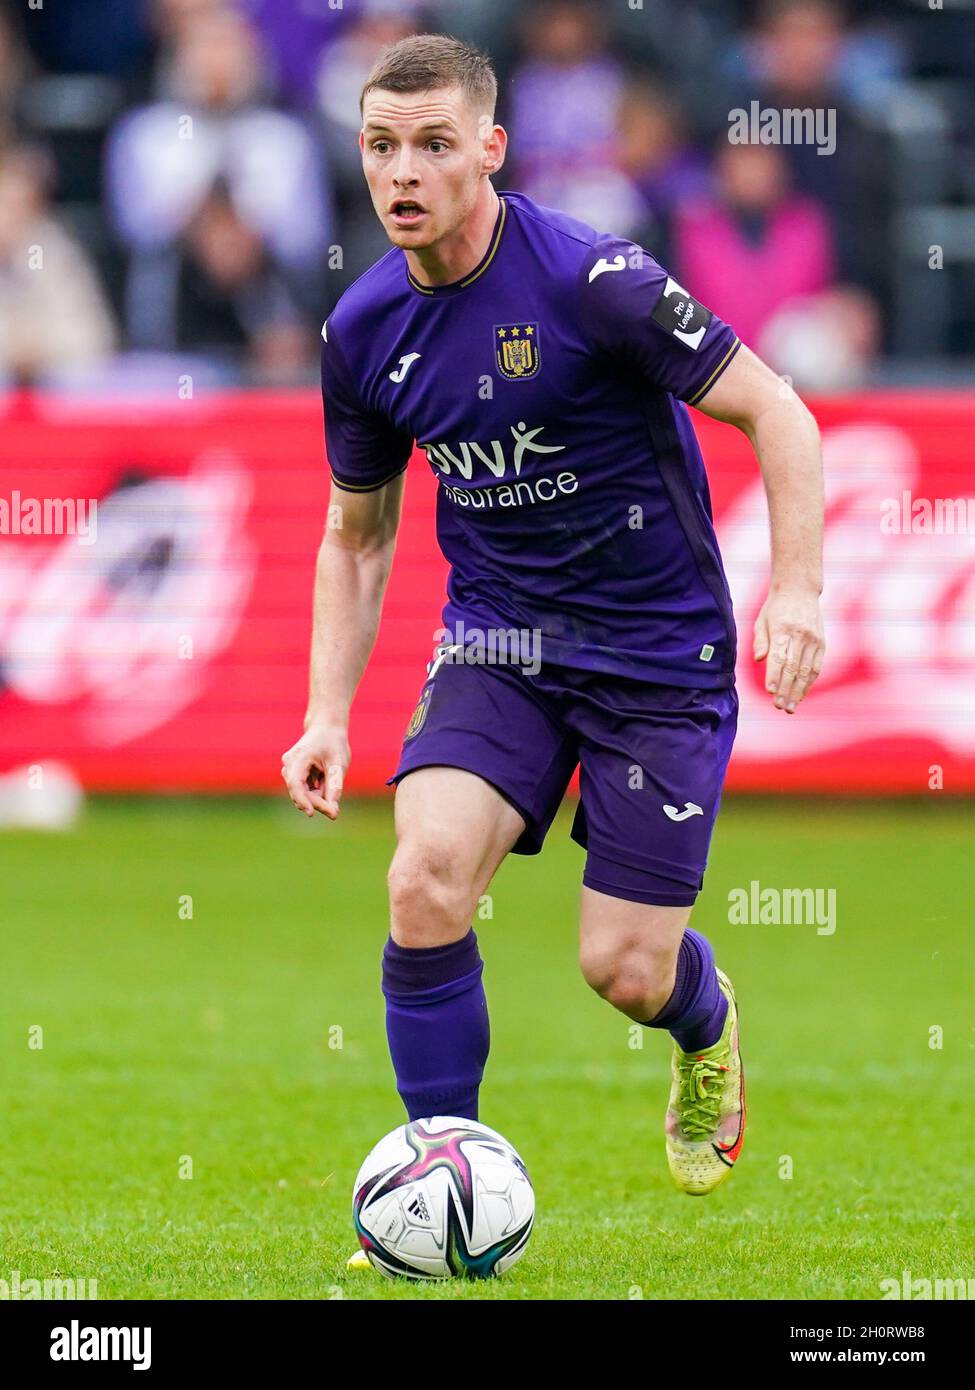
637	315
363	449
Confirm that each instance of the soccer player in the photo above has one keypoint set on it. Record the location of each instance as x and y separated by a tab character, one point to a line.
546	368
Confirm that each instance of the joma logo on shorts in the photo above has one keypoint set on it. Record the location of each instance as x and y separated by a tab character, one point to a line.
460	458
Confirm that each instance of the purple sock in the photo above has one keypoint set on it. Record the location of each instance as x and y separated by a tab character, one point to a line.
437	1025
695	1013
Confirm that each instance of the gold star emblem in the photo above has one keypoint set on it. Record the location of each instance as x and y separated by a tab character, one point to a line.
514	333
500	332
528	332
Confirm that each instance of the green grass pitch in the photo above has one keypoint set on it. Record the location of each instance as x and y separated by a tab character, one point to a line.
211	1038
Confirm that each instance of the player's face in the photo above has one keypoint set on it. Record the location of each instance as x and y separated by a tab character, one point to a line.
423	155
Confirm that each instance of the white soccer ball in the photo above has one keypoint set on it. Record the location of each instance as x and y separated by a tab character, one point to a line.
443	1197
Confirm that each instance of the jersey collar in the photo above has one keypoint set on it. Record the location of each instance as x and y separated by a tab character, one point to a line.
434	291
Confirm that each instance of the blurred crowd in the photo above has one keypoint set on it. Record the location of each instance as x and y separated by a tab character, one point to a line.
180	181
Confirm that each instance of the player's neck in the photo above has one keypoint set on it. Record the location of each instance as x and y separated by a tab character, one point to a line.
455	256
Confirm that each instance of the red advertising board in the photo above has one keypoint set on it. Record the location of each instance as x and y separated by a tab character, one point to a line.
166	648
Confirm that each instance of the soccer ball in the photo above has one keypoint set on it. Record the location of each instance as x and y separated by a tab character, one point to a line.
443	1197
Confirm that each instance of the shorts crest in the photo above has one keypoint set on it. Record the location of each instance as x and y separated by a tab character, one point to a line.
418	717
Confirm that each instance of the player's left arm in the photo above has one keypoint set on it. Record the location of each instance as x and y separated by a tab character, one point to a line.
784	434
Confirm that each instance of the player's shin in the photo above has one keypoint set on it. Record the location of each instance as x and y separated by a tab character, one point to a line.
437	1025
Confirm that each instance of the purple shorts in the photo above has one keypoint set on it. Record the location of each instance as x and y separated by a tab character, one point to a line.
653	760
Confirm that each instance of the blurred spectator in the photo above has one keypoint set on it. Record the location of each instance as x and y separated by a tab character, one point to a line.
795	59
343	69
654	150
564	101
810	47
824	342
173	20
228	299
654	153
52	311
295	34
798	48
213	160
682	43
755	244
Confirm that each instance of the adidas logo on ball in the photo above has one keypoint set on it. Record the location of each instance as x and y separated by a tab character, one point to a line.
418	1208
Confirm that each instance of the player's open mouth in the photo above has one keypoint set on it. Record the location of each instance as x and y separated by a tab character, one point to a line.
406	213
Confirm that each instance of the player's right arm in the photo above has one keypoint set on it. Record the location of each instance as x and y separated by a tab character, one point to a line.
367	458
354	561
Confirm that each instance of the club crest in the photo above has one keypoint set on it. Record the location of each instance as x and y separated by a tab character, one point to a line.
517	350
419	715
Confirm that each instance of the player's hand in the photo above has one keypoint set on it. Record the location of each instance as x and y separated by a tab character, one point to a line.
314	769
789	633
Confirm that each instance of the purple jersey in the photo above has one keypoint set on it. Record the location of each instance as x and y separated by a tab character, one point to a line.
547	389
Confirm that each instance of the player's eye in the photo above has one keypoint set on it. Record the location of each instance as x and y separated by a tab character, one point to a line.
381	146
440	145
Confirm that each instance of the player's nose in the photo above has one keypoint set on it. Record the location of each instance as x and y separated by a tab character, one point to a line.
404	173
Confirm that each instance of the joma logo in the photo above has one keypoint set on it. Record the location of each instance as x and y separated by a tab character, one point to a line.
460	458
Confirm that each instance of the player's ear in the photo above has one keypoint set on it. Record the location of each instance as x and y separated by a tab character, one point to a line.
495	140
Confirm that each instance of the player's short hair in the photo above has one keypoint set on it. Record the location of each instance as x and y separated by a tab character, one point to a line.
425	62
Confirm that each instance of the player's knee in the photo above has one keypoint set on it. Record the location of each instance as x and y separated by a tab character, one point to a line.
636	982
429	895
